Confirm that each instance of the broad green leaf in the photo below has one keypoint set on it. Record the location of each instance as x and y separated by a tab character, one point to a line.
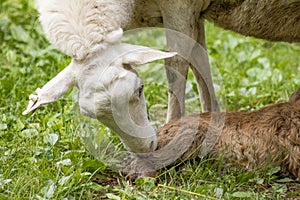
48	190
63	180
19	33
20	124
218	192
65	162
112	196
51	139
242	194
146	183
28	133
3	126
273	171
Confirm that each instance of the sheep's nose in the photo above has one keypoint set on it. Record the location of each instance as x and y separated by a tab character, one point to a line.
32	105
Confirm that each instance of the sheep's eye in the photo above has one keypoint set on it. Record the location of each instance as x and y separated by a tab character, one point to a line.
141	90
138	93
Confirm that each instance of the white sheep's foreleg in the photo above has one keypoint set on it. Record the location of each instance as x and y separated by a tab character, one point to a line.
181	20
201	70
176	69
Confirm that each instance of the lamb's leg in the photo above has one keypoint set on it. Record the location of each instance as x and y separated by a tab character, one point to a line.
180	16
202	73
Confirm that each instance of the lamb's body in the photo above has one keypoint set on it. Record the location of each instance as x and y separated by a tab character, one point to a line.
251	139
269	136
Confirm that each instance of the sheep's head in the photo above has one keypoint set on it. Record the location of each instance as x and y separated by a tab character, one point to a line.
110	90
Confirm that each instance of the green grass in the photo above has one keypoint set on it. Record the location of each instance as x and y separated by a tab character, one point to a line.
43	156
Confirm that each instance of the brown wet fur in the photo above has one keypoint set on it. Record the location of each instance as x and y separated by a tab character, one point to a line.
268	136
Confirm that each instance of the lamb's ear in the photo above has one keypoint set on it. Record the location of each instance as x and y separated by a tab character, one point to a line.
295	96
138	55
53	90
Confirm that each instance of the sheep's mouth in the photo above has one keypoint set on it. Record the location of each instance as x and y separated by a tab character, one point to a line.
32	105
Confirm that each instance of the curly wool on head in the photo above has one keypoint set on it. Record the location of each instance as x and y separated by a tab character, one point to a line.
79	28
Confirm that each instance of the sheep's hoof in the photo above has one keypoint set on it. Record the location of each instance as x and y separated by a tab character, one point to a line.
131	176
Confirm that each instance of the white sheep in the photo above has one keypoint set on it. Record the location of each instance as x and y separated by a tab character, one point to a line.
110	90
80	27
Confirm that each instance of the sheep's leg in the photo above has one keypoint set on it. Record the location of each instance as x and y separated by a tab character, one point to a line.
202	73
176	69
182	17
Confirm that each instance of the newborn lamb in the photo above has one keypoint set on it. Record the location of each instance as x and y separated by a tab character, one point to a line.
268	136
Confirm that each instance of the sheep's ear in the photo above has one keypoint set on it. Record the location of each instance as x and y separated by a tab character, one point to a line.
53	90
295	96
139	55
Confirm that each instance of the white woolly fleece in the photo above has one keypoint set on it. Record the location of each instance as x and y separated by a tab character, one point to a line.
79	28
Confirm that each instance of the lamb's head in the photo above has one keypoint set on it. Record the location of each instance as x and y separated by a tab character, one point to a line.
110	90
